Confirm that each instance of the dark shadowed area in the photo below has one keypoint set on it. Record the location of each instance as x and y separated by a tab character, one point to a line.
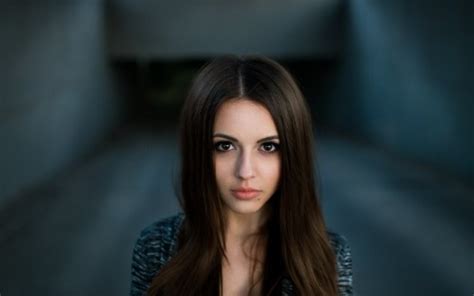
90	93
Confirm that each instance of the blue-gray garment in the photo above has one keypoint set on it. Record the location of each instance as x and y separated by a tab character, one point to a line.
157	243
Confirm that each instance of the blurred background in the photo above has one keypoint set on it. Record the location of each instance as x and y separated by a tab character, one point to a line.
89	98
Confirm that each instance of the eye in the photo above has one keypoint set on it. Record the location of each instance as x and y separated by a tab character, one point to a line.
223	146
270	147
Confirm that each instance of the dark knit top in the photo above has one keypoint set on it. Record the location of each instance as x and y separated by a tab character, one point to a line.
157	243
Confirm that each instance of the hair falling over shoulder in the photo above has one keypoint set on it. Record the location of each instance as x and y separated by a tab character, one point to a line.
297	244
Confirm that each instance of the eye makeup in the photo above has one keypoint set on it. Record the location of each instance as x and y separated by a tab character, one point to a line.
224	146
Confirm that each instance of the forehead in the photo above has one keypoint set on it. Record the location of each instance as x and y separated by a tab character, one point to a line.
244	119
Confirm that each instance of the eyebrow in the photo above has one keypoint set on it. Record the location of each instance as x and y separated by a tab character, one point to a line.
235	140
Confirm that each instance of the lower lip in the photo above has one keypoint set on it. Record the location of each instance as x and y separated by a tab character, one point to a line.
245	195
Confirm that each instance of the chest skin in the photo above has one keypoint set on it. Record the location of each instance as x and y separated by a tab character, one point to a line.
237	273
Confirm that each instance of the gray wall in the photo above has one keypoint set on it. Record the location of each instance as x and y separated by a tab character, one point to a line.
180	29
407	80
57	98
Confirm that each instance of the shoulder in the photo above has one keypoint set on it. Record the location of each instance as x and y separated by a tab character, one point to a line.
340	245
153	248
344	262
162	232
159	240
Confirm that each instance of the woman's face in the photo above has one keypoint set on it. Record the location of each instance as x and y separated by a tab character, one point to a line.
246	155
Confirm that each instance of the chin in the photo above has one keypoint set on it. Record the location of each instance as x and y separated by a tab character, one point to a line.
244	207
244	211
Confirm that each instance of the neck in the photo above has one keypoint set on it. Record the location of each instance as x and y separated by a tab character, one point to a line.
241	226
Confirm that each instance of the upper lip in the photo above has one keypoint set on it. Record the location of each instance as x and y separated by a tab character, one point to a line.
245	189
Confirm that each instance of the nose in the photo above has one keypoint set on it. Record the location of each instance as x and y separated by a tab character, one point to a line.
244	169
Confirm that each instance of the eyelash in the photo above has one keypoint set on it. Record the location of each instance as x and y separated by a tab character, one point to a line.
217	145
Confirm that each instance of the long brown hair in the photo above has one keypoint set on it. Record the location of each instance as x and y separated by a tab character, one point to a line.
298	246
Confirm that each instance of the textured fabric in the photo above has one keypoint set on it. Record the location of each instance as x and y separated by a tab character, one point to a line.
158	243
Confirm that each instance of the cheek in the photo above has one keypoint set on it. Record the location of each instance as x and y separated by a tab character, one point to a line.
271	171
223	169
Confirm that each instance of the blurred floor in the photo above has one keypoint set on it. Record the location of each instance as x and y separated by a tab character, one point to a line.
411	231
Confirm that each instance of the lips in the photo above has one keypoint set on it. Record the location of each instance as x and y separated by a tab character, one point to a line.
245	189
245	193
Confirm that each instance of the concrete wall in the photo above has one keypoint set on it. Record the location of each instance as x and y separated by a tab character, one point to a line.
180	29
407	81
57	94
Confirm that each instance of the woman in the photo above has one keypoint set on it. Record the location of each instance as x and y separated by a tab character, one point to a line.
252	221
